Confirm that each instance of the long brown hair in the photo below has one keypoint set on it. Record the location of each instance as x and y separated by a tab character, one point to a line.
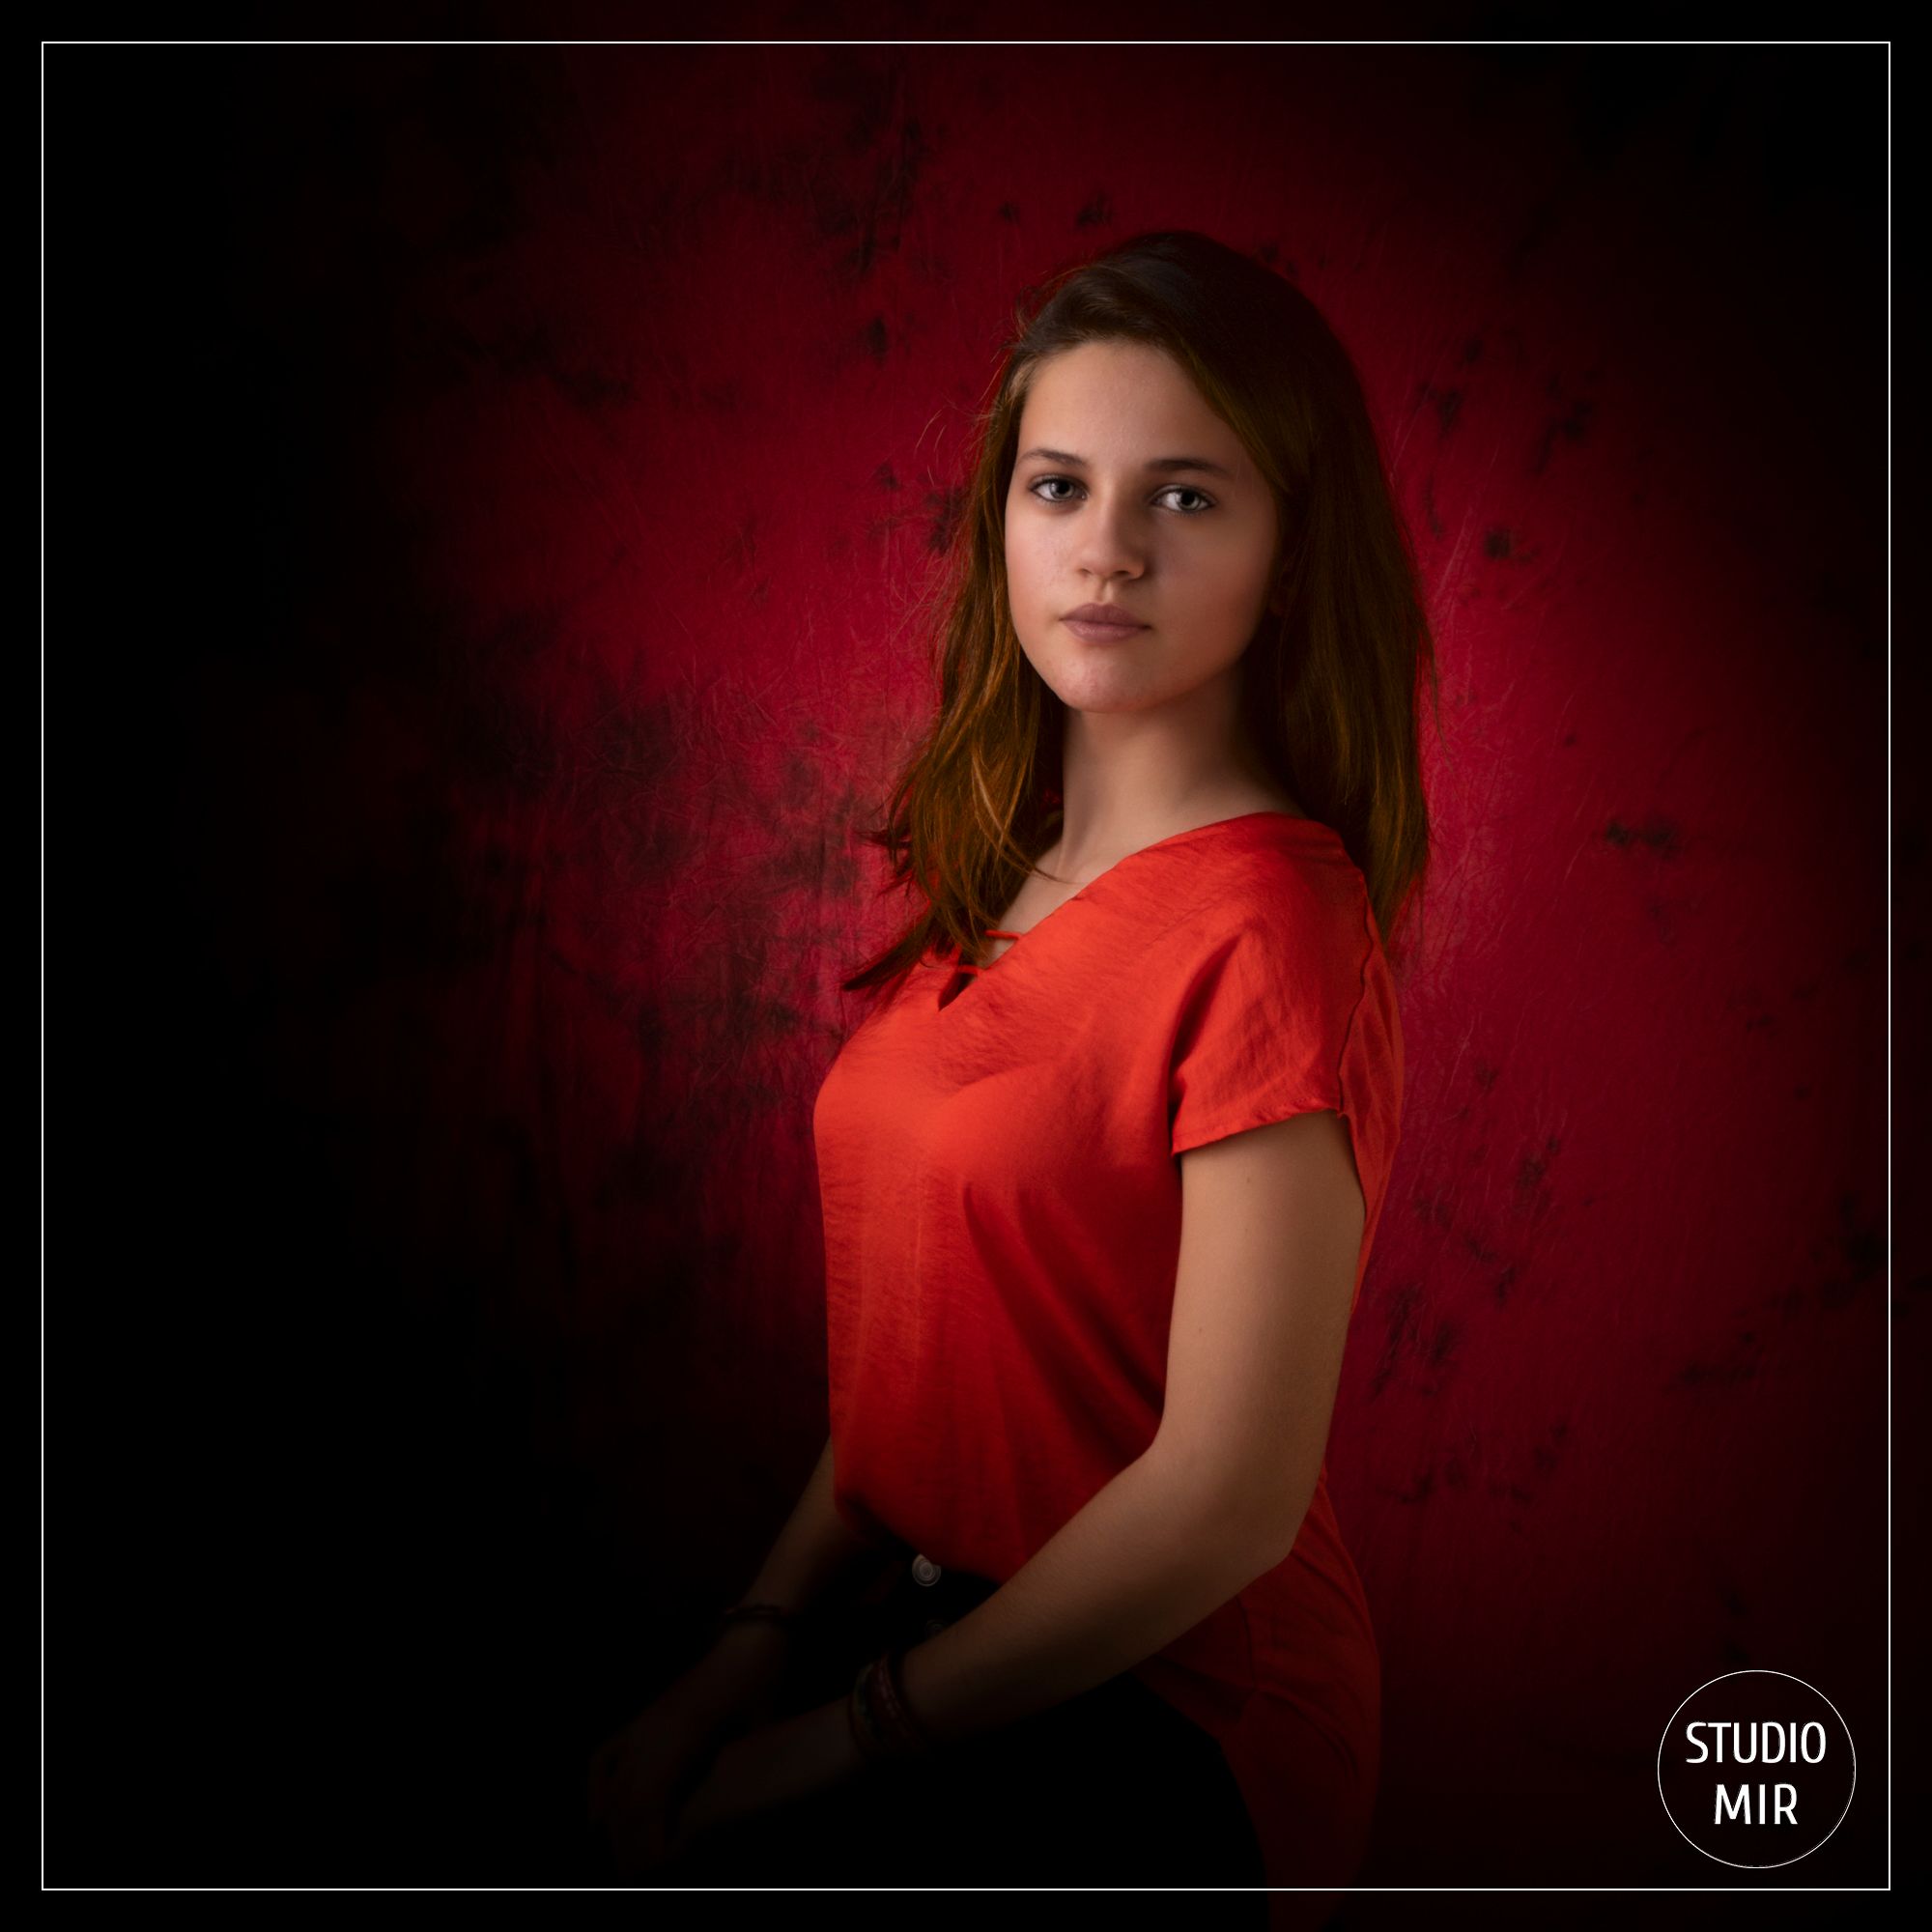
1331	686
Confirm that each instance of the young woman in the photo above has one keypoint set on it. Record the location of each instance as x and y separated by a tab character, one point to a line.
1101	1168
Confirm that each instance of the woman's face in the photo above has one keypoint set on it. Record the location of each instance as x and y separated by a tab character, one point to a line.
1129	491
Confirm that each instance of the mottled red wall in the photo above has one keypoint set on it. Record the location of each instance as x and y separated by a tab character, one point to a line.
554	439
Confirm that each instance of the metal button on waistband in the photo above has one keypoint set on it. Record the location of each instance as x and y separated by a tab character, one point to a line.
924	1571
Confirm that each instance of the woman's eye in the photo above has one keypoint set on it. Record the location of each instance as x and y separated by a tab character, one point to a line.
1042	483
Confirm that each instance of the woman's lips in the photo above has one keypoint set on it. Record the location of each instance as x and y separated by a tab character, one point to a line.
1096	631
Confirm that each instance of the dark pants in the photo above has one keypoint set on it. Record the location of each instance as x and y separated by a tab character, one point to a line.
1114	1787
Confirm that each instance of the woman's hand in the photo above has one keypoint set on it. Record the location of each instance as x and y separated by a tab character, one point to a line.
638	1780
744	1777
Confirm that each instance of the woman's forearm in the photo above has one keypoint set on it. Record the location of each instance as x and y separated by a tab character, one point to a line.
1145	1560
816	1559
817	1556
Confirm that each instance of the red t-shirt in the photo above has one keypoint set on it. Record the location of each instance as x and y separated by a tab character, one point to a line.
998	1167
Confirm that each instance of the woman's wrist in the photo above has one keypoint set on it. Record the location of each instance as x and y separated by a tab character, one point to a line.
742	1654
752	1638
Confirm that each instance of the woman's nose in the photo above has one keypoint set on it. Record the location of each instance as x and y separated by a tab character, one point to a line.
1108	544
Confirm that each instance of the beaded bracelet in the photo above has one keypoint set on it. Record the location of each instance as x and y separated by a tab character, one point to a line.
774	1613
883	1728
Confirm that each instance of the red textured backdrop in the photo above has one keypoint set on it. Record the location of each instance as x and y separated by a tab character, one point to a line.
549	443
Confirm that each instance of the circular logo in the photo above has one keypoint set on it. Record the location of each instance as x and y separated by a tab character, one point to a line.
1756	1769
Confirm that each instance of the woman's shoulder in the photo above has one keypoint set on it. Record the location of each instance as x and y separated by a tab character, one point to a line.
1270	865
1268	903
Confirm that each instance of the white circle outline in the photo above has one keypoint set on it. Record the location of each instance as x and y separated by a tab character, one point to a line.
1756	1671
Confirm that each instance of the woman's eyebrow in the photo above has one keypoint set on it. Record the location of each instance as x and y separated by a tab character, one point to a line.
1154	463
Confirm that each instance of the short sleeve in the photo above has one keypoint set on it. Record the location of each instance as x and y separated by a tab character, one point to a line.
1263	1029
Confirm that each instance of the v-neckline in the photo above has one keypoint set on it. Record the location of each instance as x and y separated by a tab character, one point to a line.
942	1005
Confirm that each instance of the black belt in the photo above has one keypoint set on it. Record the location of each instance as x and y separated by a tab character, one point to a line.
913	1599
932	1597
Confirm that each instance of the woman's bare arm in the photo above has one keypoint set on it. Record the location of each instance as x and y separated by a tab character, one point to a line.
818	1557
1271	1230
